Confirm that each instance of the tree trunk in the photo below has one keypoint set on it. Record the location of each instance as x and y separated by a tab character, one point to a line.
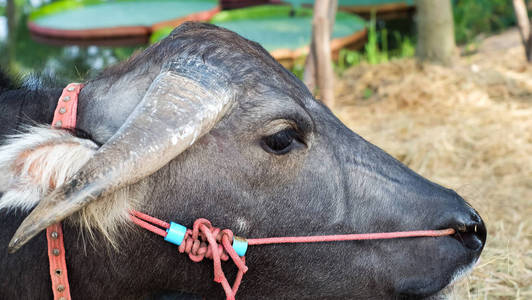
523	23
435	30
11	31
318	66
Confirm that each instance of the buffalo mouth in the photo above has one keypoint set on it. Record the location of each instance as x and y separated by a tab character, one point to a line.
420	289
465	245
442	294
431	289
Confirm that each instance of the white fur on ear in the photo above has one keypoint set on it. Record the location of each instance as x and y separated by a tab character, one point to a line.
33	163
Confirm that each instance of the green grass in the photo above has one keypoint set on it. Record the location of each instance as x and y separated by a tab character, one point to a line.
475	17
471	19
160	34
375	51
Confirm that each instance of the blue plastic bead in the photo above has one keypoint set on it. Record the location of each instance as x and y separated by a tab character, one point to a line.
240	245
175	234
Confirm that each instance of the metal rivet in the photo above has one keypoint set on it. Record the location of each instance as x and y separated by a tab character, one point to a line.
58	272
54	235
71	89
58	124
62	110
66	98
60	287
55	252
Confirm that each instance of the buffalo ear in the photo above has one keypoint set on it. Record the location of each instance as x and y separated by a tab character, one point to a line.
38	161
183	103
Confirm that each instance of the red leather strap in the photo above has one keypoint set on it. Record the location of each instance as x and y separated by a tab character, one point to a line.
56	257
67	107
64	117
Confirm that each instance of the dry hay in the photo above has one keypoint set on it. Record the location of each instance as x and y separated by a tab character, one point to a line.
468	128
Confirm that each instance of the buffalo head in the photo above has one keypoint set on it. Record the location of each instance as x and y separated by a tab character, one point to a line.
209	125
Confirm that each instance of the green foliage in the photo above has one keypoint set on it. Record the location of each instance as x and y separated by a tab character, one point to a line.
21	55
406	47
347	58
473	17
377	48
299	67
371	47
160	34
367	93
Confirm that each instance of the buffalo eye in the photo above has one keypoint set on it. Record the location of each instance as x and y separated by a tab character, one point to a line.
281	142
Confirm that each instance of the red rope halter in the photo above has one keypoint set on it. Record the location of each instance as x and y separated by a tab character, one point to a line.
204	241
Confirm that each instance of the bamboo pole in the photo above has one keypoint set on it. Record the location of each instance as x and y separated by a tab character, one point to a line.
523	23
435	28
318	66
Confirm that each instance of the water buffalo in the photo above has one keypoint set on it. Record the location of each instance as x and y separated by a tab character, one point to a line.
207	124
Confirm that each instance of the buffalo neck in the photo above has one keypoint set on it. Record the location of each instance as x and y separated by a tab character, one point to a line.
26	106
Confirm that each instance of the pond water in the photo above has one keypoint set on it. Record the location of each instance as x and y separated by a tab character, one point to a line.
21	55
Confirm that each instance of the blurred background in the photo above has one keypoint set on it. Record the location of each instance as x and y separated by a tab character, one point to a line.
461	117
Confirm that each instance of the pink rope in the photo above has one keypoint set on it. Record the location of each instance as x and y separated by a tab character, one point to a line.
151	219
203	241
351	237
206	241
148	226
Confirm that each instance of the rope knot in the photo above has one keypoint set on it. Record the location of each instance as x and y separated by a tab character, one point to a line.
206	241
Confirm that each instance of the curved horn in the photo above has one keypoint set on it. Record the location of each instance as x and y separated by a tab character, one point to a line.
184	102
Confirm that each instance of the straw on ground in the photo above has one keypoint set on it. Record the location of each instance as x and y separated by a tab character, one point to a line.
468	128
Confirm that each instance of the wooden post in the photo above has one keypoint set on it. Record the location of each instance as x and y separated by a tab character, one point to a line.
435	28
523	23
11	14
318	66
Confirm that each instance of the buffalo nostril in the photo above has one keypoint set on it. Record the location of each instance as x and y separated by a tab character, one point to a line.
476	217
472	235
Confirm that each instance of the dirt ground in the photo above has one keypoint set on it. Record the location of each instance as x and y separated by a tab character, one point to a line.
468	128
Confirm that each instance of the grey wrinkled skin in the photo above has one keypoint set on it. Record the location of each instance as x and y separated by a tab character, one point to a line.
331	182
